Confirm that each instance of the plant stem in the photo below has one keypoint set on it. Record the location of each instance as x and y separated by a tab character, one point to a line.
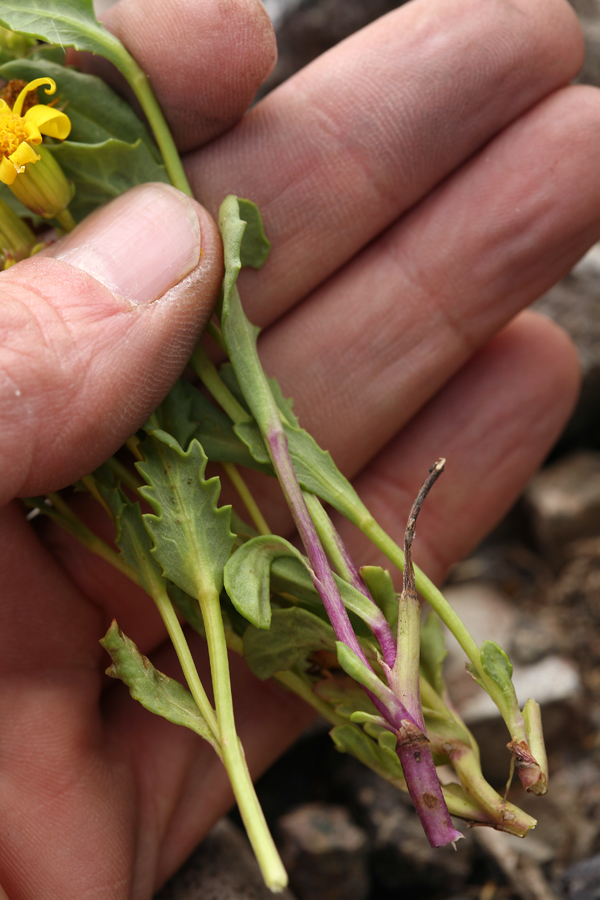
188	666
67	519
65	220
90	483
132	445
158	591
217	335
347	570
141	87
128	478
247	498
210	378
234	760
406	670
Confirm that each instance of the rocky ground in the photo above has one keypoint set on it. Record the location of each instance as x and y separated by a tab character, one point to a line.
534	585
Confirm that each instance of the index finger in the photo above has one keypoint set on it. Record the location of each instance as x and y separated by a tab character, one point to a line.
344	148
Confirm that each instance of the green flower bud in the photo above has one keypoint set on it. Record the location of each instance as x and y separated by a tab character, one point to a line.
16	238
42	187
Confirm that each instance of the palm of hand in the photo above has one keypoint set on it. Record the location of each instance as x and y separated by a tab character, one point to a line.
416	184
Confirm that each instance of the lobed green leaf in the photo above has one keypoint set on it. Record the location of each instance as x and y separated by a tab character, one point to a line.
192	537
158	693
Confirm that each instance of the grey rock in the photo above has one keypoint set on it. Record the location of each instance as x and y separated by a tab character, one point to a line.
222	868
324	852
564	503
589	16
573	304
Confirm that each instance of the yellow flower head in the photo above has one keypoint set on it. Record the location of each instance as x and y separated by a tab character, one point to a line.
19	132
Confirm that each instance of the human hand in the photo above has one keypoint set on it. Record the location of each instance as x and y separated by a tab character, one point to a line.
422	182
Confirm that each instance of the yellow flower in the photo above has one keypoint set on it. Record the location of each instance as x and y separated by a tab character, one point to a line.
19	132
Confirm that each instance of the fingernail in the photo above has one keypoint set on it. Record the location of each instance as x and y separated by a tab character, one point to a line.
139	245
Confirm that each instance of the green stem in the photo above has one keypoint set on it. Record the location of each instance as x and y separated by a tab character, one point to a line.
71	523
188	667
247	498
90	483
210	378
297	685
128	478
217	335
67	519
132	445
252	815
65	220
141	87
436	600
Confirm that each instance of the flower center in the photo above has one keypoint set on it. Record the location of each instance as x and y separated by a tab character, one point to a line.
12	133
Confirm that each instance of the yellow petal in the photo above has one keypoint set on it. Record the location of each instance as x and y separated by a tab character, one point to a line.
8	171
49	121
37	82
32	132
23	154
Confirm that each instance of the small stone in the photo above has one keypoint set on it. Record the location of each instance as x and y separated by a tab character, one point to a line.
324	852
564	502
222	868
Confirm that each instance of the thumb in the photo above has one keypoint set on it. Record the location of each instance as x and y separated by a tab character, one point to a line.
96	329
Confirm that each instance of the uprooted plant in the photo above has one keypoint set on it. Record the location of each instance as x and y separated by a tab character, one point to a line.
338	636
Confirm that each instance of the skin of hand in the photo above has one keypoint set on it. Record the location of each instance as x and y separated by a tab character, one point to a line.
423	182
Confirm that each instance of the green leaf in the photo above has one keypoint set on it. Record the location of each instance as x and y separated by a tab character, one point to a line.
380	584
103	171
175	414
69	23
314	467
158	693
353	740
345	695
192	538
498	667
285	404
293	577
247	576
433	652
232	229
294	635
356	669
186	413
134	542
255	245
96	112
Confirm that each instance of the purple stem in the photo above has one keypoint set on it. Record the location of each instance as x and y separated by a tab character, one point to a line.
382	631
413	747
321	573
